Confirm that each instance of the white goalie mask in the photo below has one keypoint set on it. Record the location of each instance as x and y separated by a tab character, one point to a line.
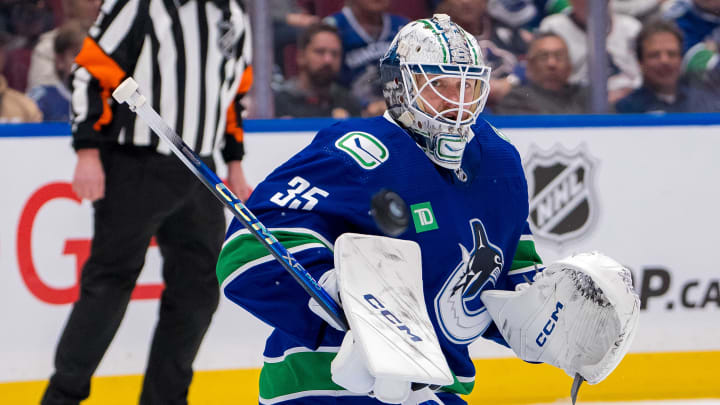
435	84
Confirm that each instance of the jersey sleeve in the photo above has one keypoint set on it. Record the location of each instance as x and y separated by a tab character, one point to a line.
526	261
525	264
306	204
109	51
233	147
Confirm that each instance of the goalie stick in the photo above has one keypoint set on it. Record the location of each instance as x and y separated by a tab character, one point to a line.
127	92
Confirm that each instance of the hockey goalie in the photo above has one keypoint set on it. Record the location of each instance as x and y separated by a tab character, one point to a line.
464	269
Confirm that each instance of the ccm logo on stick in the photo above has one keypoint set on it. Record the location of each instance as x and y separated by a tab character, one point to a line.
375	303
549	325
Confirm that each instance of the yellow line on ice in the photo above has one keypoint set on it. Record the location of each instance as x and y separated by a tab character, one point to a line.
641	376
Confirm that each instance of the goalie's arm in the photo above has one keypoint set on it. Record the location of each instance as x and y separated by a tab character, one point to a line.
249	276
526	262
306	209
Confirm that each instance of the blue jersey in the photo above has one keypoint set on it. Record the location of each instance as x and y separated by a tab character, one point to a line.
470	224
360	50
697	25
53	100
701	31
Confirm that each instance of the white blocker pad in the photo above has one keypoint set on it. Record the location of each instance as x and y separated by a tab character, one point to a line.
580	315
380	281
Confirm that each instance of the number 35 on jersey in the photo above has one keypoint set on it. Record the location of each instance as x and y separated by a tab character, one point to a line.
300	192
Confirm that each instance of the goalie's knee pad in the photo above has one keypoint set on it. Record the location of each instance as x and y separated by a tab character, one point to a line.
580	314
392	343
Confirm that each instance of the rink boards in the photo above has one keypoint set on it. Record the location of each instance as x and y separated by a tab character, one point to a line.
643	190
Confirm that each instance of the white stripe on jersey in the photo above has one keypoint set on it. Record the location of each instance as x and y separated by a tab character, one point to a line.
212	79
119	28
268	258
167	55
107	6
191	35
316	393
179	48
81	78
143	76
525	270
321	349
235	69
465	380
319	237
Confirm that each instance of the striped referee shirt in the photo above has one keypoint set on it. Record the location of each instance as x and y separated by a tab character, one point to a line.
191	59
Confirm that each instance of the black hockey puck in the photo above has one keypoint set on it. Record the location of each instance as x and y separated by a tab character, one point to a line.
390	212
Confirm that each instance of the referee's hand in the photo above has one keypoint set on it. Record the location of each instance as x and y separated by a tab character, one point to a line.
89	178
236	181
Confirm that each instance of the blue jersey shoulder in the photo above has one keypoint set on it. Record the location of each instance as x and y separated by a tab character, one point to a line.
369	146
496	154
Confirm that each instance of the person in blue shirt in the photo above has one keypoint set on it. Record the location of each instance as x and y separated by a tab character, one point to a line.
664	89
433	151
54	99
366	30
699	21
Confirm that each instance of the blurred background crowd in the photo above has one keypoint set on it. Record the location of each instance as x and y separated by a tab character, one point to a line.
662	55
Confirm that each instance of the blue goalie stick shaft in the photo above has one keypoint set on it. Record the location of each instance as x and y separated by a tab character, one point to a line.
128	92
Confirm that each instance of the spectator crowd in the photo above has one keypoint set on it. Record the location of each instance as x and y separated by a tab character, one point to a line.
662	54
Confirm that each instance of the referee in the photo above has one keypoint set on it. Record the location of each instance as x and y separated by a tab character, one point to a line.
192	60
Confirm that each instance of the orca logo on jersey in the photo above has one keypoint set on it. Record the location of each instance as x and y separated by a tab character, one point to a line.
364	148
563	206
460	311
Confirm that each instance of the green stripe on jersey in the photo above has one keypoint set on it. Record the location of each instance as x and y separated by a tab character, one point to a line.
310	371
462	388
245	248
556	6
525	255
298	372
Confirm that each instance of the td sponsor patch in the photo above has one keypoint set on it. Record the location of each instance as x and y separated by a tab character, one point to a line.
423	217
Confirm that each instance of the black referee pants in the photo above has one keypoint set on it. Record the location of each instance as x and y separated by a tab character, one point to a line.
146	194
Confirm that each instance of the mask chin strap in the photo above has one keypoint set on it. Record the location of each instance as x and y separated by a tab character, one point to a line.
406	119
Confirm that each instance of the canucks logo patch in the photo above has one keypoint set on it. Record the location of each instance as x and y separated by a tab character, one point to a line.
460	311
562	198
364	148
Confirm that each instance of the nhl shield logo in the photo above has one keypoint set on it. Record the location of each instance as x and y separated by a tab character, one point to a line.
563	206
